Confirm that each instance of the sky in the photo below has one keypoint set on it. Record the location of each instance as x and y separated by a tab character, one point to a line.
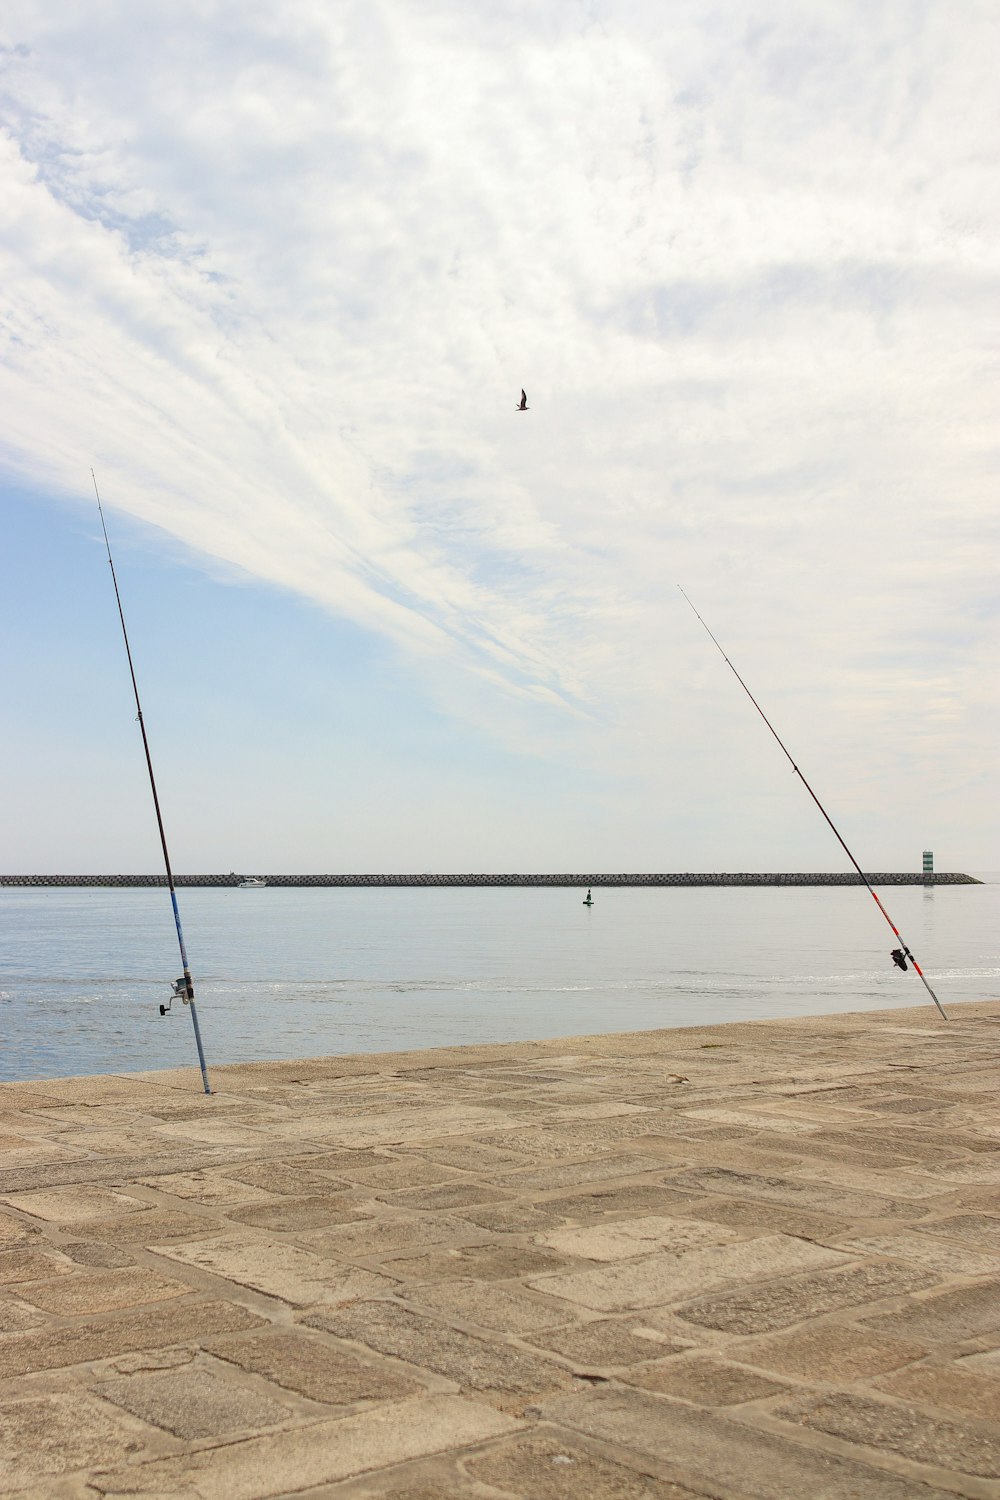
276	275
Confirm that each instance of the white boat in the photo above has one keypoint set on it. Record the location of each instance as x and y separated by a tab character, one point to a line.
252	883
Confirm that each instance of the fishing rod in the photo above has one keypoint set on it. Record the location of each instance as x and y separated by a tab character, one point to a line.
184	987
899	955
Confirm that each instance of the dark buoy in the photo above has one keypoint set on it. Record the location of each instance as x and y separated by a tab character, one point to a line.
588	899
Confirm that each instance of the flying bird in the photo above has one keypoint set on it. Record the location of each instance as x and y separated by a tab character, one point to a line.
524	403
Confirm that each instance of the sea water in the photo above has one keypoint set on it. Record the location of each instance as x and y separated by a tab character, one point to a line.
287	973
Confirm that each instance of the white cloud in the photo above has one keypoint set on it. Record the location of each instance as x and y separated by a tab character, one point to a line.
279	273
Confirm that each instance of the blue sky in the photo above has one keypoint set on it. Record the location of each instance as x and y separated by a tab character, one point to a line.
279	273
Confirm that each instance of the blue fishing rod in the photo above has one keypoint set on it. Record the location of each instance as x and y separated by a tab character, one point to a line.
899	955
184	987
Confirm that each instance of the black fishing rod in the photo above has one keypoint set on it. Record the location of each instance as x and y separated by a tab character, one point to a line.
899	955
183	987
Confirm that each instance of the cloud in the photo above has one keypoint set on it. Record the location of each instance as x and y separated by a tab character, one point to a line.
280	273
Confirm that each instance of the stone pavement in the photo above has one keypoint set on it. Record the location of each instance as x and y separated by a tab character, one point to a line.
756	1260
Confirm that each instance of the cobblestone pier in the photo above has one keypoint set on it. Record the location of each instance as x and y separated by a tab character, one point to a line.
745	1262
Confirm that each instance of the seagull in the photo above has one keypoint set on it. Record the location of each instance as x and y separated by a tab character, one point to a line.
524	403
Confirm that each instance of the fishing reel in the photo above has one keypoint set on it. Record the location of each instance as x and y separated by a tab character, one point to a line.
178	991
899	957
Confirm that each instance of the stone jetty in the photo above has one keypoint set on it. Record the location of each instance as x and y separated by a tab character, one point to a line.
595	881
747	1262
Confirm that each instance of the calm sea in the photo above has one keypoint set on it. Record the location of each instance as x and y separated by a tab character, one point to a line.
284	973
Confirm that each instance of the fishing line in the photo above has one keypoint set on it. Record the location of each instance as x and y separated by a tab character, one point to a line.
183	988
899	955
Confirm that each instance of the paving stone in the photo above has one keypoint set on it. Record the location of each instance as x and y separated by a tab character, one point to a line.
197	1404
107	1292
176	1358
13	1231
409	1173
213	1188
99	1088
15	1316
376	1238
704	1381
524	1144
489	1262
983	1169
806	1224
312	1367
473	1363
810	1151
102	1338
282	1178
758	1120
951	1316
723	1454
21	1097
626	1238
956	1389
913	1435
597	1109
508	1310
469	1156
928	1141
907	1104
113	1140
553	1140
214	1132
906	1189
44	1437
31	1264
337	1161
970	1200
656	1130
776	1304
290	1214
229	1108
97	1255
665	1277
447	1195
978	1229
151	1228
987	1363
828	1352
22	1150
283	1464
797	1193
917	1250
280	1270
621	1202
74	1205
608	1343
918	1145
395	1127
572	1174
972	1083
510	1218
549	1466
